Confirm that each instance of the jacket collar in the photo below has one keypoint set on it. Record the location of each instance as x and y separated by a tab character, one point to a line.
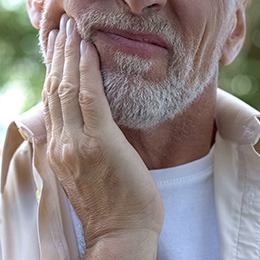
235	121
31	124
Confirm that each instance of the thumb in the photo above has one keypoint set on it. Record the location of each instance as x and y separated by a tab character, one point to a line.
94	105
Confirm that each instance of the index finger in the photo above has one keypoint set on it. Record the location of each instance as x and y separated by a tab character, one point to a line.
50	50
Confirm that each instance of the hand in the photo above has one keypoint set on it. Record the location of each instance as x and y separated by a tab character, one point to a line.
105	179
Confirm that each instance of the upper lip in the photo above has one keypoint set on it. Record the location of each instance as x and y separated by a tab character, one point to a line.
138	36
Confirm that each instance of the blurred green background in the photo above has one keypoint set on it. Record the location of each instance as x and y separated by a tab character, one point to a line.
22	72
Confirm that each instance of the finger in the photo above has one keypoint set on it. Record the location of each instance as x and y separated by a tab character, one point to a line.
49	56
48	59
69	87
93	103
55	77
58	55
46	114
51	42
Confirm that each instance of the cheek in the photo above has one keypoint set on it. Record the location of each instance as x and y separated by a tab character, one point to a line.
76	8
53	10
50	20
202	35
199	21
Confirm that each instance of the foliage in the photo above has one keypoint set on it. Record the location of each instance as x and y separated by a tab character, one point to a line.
21	62
20	58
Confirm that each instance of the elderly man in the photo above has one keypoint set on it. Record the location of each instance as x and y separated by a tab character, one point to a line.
133	153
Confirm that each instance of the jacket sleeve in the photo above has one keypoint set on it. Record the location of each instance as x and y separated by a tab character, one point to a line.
18	203
12	142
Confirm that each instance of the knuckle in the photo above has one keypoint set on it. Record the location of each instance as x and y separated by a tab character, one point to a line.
86	97
92	150
52	83
66	87
68	154
61	151
53	152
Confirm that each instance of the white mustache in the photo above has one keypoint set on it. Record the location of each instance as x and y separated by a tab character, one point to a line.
89	22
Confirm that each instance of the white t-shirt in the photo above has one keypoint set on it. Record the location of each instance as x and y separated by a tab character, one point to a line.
190	230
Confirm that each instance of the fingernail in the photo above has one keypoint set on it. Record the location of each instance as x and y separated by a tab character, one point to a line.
83	47
70	27
51	39
63	21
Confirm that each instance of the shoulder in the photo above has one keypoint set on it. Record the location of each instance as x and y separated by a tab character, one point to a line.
237	121
22	134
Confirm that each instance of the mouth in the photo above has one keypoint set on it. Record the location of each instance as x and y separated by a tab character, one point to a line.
136	43
138	37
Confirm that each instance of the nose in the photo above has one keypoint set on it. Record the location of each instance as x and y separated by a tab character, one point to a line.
138	6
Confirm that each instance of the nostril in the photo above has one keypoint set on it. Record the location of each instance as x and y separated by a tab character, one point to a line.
154	7
139	6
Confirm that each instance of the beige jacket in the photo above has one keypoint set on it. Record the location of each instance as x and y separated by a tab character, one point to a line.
35	220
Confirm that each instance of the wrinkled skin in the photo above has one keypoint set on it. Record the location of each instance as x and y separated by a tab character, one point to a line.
104	177
103	171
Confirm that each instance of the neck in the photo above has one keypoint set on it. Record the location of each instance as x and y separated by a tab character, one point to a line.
186	138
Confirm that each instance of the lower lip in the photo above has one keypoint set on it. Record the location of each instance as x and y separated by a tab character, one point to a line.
129	46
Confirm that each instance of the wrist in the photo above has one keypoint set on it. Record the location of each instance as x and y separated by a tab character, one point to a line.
127	245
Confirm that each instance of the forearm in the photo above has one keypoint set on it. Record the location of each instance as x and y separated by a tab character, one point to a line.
132	245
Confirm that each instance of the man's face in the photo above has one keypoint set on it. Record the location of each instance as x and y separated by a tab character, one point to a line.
154	64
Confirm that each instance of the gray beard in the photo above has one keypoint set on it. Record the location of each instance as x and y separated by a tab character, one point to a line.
135	101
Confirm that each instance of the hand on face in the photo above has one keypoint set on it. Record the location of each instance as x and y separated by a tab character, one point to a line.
103	176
